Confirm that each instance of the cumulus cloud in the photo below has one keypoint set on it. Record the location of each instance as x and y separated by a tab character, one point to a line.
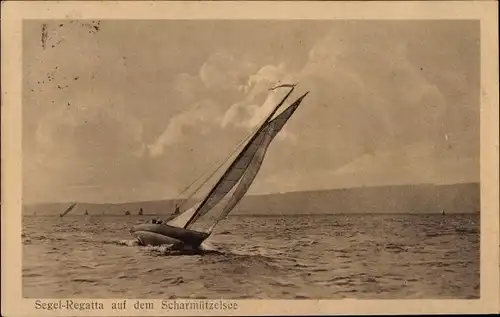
346	70
222	70
269	74
222	74
250	111
368	99
200	116
259	101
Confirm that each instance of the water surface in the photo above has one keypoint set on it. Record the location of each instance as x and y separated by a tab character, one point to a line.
282	257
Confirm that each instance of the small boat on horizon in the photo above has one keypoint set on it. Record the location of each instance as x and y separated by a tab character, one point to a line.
67	210
236	179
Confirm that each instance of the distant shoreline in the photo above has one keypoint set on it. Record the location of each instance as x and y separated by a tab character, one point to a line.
256	195
405	199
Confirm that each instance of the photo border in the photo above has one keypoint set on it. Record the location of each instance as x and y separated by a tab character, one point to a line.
14	12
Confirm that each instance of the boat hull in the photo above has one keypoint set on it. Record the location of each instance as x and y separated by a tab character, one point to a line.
155	239
162	234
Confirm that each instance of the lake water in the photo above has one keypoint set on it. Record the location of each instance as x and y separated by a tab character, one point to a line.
282	257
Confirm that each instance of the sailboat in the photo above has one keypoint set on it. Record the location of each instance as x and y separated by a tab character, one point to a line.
232	185
68	210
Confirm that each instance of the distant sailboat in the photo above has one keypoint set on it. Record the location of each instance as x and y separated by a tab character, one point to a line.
242	172
140	212
86	213
442	212
68	210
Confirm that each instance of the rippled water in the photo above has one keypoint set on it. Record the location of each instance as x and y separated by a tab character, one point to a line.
333	256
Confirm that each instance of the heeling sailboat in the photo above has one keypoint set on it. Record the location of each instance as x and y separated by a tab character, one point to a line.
241	172
68	210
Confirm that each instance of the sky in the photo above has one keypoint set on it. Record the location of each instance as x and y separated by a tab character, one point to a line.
118	111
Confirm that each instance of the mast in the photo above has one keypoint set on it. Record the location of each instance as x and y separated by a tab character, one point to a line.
238	157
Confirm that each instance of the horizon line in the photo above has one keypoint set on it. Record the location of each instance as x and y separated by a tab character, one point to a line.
253	195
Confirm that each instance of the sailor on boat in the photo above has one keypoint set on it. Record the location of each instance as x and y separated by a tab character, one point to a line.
177	230
156	220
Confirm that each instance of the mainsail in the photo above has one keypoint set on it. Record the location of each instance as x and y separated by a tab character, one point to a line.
68	210
235	171
271	130
243	169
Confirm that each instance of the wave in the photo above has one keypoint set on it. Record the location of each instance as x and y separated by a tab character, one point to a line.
230	252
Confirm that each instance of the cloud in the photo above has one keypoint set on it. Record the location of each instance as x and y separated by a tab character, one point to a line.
204	97
265	76
248	113
259	101
374	90
221	74
252	111
347	71
200	117
368	98
380	89
223	70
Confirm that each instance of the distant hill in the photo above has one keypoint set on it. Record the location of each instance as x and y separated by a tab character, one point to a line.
458	198
422	198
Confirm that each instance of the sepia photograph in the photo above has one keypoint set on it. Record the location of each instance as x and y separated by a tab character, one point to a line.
268	159
349	158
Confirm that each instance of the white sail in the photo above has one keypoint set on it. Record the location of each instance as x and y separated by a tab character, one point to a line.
248	177
271	130
233	176
243	169
225	184
68	210
237	168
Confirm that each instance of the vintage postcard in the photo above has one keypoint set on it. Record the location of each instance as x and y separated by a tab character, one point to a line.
249	158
